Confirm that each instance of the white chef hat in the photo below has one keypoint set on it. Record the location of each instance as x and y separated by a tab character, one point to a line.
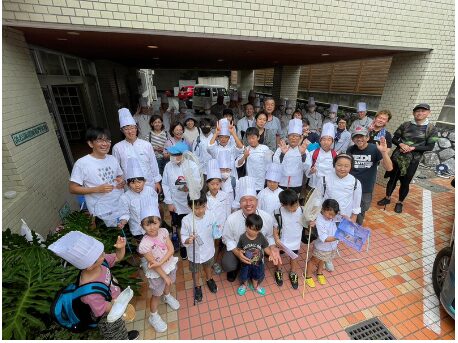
125	118
213	171
247	187
328	130
78	249
311	102
333	108
207	105
224	126
164	99
224	159
295	126
252	94
133	169
143	102
235	96
257	102
274	172
361	107
148	208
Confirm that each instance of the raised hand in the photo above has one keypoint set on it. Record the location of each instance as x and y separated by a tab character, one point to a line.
283	146
120	243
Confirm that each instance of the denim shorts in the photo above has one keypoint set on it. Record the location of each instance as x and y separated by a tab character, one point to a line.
251	271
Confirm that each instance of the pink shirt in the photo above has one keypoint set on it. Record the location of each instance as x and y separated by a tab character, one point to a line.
158	247
97	302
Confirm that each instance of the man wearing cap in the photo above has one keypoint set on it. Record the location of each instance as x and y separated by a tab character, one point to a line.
332	115
412	139
235	227
142	117
98	177
247	121
273	123
363	120
166	115
366	157
136	148
315	118
377	128
218	108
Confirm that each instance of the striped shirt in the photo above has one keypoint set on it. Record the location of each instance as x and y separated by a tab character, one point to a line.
157	141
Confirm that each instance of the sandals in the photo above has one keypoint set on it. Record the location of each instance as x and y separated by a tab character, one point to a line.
259	290
241	290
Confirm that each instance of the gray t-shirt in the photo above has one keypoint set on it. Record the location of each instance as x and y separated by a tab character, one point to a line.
254	249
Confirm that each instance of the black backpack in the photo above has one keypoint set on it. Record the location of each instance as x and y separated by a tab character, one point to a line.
70	312
305	230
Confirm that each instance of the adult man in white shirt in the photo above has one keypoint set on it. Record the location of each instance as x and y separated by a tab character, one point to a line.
363	120
142	117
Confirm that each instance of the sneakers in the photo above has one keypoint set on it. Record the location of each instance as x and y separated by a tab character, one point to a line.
198	294
261	290
321	279
279	277
212	286
171	301
231	276
294	280
398	207
133	335
310	282
383	202
241	290
329	266
157	323
217	268
183	253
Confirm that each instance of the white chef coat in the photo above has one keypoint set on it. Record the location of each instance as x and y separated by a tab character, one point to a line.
215	148
235	227
323	166
199	148
342	190
144	128
203	229
343	143
291	228
325	229
292	165
365	122
219	206
173	183
144	153
130	205
268	200
256	163
89	171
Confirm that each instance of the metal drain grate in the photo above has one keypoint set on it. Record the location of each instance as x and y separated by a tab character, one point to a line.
371	329
433	187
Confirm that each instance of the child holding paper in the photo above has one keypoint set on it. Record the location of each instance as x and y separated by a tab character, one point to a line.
325	244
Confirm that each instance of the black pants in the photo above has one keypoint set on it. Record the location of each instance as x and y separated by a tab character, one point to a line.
405	180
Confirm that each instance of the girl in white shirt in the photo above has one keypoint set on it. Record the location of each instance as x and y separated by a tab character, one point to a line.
325	244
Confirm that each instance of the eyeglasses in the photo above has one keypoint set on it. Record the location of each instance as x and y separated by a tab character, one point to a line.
129	128
102	140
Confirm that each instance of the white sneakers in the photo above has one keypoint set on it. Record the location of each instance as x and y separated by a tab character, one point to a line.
171	301
157	323
155	319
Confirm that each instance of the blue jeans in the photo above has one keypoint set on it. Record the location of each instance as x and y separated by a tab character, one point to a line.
251	271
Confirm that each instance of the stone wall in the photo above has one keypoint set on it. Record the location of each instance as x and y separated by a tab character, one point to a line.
443	152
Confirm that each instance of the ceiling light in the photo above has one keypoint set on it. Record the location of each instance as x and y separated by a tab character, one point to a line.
325	54
155	58
152	46
220	60
62	39
73	33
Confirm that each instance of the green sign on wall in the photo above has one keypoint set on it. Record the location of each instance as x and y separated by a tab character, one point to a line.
29	134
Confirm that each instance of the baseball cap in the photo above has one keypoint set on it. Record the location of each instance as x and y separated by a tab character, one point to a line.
359	130
425	106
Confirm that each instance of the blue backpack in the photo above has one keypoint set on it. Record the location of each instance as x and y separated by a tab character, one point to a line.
70	312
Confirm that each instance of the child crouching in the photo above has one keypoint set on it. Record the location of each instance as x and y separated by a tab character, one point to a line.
326	243
160	268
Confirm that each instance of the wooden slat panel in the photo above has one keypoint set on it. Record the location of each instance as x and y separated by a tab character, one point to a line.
320	77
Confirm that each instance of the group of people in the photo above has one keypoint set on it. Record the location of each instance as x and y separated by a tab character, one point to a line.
257	168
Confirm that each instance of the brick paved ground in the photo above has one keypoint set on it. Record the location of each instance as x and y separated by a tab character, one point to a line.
392	282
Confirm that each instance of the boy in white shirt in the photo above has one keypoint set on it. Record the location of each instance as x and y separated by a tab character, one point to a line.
219	203
228	181
256	157
288	232
268	198
130	201
198	231
98	177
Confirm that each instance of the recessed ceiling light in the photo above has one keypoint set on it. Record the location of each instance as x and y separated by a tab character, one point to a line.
73	33
325	54
152	46
62	39
155	58
220	60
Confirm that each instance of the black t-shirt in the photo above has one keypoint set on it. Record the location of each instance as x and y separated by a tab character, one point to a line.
374	136
365	168
254	249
